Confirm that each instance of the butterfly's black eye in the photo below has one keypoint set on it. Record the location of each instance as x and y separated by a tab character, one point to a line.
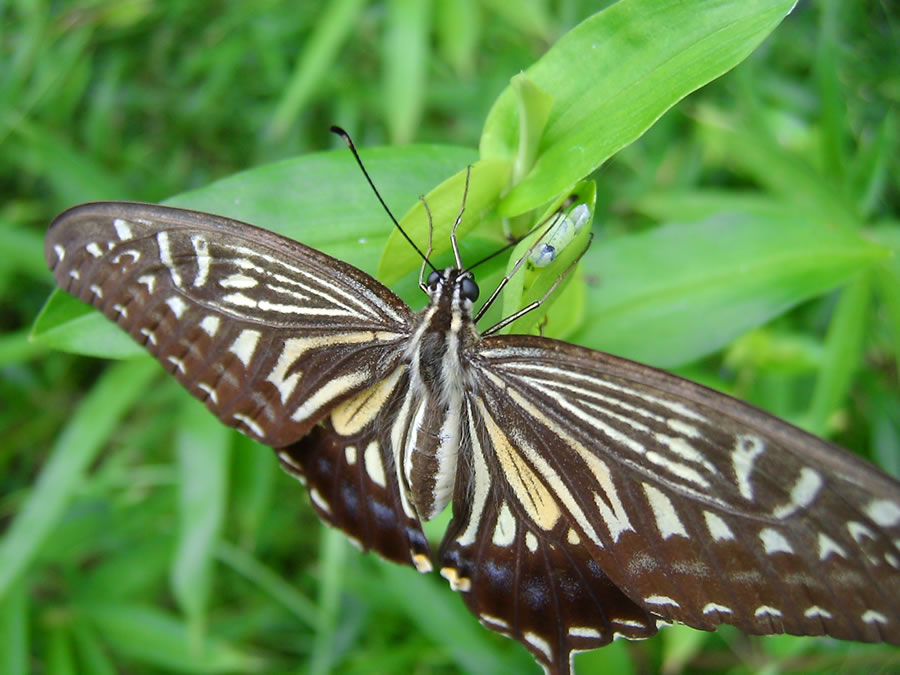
469	289
433	279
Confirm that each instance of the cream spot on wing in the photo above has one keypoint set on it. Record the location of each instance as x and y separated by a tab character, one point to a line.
539	643
250	423
210	392
350	454
328	392
494	621
774	542
457	583
149	281
123	229
505	528
827	546
805	490
717	527
351	416
178	363
244	346
210	325
373	463
421	562
319	500
883	512
667	519
147	333
584	632
241	281
712	607
177	305
817	612
201	255
746	449
660	600
871	616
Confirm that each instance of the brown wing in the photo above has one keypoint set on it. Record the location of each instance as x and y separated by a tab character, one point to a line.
349	465
268	332
693	506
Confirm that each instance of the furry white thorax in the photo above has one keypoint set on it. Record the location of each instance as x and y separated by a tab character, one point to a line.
437	388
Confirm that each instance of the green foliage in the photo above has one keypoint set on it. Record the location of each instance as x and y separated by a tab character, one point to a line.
763	206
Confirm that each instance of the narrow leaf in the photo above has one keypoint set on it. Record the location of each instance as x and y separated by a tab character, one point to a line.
703	284
202	450
843	345
637	67
162	641
75	448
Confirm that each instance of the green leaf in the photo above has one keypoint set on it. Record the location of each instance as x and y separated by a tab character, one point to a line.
68	324
702	284
90	651
534	110
486	181
318	55
60	660
252	480
279	589
798	184
406	59
333	555
458	25
632	67
201	446
162	641
18	347
87	431
445	620
14	631
843	346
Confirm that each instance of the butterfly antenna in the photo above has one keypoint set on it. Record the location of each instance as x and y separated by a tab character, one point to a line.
344	135
458	220
430	241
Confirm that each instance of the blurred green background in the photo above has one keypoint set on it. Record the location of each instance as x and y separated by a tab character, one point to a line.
144	100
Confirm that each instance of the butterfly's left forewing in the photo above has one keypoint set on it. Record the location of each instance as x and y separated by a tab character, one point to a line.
269	333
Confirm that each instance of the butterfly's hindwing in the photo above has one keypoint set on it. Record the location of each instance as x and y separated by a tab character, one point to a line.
535	584
697	505
271	334
350	469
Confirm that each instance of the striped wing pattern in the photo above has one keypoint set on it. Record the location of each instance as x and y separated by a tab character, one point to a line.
593	497
699	506
349	466
270	333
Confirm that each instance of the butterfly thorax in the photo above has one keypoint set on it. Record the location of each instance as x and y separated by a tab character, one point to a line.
439	376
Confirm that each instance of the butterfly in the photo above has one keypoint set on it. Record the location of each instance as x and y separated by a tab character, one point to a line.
592	497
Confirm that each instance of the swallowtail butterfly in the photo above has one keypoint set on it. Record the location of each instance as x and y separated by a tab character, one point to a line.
592	497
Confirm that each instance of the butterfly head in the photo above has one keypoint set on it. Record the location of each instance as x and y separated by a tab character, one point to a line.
457	285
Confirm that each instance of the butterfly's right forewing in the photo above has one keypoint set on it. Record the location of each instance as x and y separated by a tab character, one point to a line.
269	333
